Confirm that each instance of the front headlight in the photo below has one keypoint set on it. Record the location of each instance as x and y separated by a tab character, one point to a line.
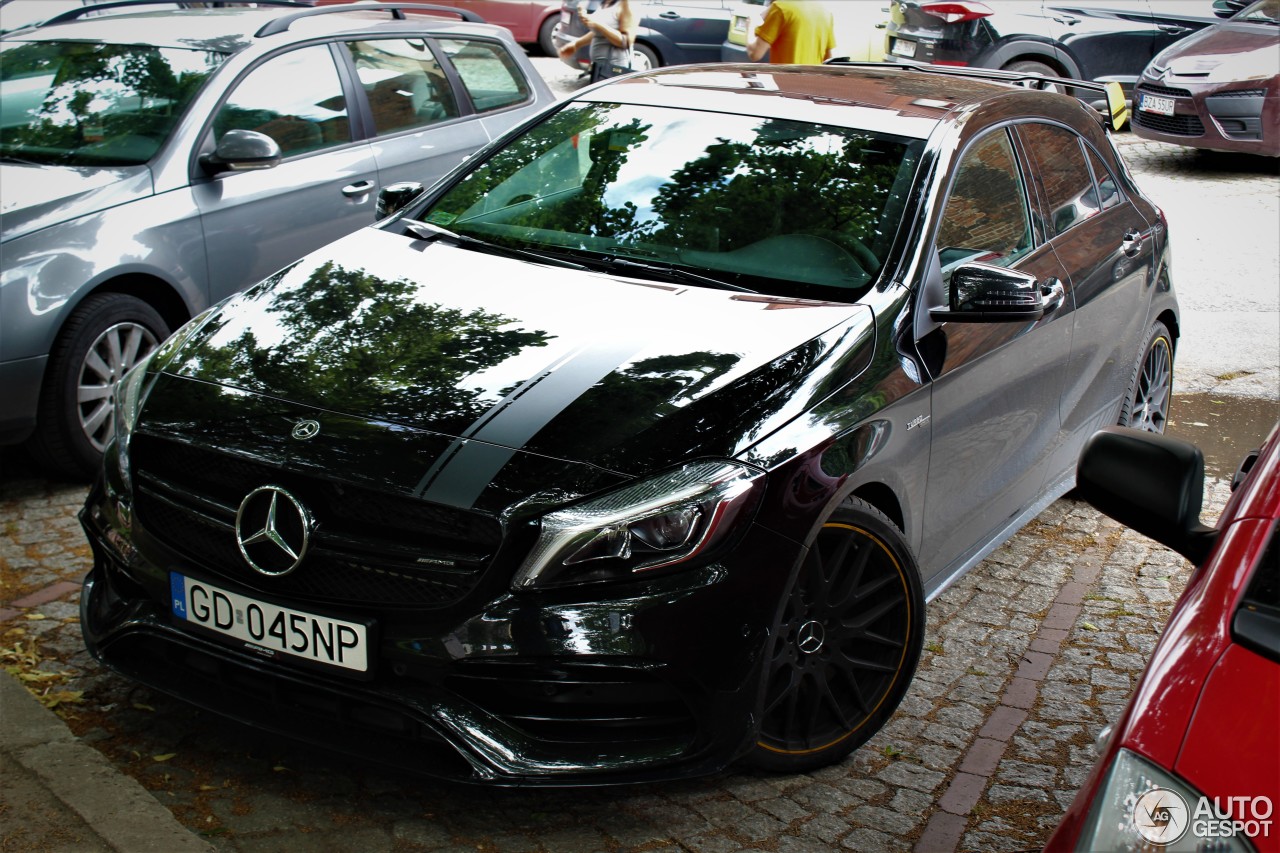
1141	807
643	527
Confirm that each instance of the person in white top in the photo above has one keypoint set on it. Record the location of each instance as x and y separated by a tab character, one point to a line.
611	31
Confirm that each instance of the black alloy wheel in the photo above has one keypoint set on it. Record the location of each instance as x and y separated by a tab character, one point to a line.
1146	404
847	644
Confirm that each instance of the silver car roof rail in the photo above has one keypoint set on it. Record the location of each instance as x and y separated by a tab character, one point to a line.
397	10
1117	108
74	14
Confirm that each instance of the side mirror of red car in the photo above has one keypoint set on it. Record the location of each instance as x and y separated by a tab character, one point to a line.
1151	483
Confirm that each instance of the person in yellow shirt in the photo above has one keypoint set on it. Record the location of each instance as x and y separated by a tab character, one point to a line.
794	32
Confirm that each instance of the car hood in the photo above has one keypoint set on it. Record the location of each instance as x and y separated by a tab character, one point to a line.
1224	53
490	352
34	197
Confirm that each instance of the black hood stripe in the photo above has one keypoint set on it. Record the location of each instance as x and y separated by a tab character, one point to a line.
472	461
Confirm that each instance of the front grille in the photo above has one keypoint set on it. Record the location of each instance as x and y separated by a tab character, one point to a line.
1163	91
369	547
573	703
1172	125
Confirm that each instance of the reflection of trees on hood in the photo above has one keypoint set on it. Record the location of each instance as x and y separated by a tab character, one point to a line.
781	183
357	343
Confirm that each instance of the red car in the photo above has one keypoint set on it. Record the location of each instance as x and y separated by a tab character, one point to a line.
532	22
1194	761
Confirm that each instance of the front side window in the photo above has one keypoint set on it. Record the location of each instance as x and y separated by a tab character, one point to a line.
492	78
1062	175
985	218
783	207
92	104
404	84
295	98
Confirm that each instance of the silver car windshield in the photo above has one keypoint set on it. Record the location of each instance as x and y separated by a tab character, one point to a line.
770	205
91	104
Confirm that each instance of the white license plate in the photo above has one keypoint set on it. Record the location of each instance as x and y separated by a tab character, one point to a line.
268	629
904	48
1152	104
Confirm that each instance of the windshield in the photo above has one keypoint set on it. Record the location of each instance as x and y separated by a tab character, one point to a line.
781	207
88	104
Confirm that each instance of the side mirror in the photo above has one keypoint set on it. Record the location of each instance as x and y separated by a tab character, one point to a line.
394	198
982	293
1148	482
242	151
1227	8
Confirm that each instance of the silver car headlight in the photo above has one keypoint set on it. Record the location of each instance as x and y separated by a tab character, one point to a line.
642	528
1142	807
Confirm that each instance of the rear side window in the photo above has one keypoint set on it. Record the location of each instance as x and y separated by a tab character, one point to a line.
1108	189
404	84
491	76
295	98
1061	175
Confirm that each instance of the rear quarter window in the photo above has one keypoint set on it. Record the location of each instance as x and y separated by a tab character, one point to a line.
491	76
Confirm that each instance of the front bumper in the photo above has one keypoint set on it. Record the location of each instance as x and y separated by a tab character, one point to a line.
1243	117
584	687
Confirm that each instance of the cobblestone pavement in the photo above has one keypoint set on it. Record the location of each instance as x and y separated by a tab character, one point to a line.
1026	659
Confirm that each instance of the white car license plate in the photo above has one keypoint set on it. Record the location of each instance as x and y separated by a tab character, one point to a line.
1161	106
904	48
268	629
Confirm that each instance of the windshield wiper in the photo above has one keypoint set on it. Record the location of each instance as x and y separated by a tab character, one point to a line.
676	273
427	231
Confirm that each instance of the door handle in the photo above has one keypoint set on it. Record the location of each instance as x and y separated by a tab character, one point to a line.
359	188
670	16
1052	295
1173	29
1068	20
1132	242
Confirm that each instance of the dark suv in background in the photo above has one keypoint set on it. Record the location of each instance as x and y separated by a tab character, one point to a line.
1109	40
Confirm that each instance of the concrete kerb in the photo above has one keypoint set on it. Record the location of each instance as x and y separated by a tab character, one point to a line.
116	808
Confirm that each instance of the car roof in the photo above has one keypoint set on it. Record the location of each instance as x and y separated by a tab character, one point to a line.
232	29
891	99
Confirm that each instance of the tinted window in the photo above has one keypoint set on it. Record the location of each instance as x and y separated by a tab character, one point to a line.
492	78
294	98
404	84
985	218
1061	175
1108	189
88	104
778	206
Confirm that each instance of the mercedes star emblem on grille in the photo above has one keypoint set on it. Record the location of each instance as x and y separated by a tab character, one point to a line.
273	530
303	430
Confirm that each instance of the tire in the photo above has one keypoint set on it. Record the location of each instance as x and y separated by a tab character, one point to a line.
643	58
1146	402
547	35
1028	66
105	336
846	645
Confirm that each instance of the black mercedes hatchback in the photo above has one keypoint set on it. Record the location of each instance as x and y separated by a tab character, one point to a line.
636	447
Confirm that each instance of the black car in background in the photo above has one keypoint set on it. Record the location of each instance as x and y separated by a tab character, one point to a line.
1107	40
637	446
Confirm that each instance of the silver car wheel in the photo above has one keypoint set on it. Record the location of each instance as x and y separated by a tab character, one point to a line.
1151	400
116	350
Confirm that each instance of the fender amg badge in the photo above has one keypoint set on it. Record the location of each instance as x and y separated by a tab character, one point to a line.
916	421
303	430
273	530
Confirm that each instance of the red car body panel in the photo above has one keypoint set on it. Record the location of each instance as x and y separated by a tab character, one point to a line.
1207	708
